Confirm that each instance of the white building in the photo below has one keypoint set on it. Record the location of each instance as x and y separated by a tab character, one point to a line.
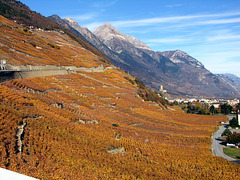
3	64
238	116
233	102
162	90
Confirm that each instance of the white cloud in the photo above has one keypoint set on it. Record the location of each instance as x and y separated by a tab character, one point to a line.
211	22
175	19
224	37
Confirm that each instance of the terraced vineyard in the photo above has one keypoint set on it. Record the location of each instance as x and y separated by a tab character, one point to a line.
94	125
20	46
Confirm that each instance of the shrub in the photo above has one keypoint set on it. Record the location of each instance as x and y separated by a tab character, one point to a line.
103	60
54	46
130	80
33	44
25	30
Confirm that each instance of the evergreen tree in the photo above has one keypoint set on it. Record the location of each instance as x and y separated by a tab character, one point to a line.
226	132
212	110
234	122
226	108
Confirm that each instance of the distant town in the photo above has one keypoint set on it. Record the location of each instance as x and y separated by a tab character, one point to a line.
212	102
207	106
209	102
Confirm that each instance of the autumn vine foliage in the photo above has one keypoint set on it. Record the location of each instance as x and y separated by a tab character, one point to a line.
70	132
21	46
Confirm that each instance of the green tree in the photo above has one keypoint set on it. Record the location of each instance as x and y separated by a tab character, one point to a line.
189	111
226	132
226	108
175	103
212	109
234	122
238	106
233	138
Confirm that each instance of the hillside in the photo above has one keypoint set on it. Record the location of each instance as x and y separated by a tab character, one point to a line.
196	79
230	79
20	46
94	125
20	13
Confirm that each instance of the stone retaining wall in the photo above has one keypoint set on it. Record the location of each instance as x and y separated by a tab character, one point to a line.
28	71
31	74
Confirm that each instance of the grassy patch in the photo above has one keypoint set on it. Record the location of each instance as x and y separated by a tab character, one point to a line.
232	152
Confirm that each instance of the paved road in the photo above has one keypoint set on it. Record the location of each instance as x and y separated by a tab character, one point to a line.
218	147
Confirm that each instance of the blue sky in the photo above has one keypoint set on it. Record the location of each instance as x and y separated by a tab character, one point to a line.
208	30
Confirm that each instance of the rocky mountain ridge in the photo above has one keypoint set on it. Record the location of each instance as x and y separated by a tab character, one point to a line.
230	79
108	31
180	73
177	71
179	56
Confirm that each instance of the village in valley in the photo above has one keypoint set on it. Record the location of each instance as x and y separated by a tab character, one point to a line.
210	101
202	105
207	106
